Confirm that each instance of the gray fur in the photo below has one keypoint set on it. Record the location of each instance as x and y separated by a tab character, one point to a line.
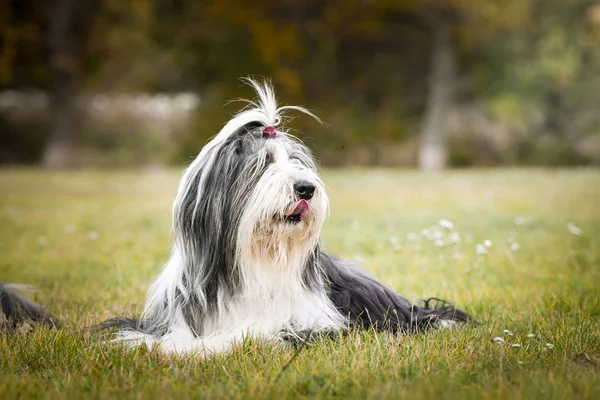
16	310
369	304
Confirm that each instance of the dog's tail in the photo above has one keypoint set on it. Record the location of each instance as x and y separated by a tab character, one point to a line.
16	309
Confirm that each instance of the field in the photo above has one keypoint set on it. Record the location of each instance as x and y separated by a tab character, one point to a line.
90	242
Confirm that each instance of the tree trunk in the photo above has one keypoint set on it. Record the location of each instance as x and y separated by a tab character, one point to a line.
59	152
64	69
433	151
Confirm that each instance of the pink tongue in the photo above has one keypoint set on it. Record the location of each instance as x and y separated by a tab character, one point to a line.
300	208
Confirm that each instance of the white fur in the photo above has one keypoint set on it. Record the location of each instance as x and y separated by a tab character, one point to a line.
273	300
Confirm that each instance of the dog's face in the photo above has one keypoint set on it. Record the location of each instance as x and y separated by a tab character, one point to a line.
286	203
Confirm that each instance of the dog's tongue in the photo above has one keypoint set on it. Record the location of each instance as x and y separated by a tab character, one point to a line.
301	208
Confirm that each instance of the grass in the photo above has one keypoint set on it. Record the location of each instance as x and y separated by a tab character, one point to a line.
92	241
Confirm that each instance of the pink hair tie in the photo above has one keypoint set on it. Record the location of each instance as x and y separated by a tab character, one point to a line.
269	132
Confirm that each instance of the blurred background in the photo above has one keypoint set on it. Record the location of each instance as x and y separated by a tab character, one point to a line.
411	83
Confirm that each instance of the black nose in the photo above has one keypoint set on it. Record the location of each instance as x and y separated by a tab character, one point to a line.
305	189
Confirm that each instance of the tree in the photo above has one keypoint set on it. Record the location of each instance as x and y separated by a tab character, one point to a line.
443	76
60	46
69	26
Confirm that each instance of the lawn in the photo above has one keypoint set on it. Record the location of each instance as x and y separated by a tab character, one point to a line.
91	242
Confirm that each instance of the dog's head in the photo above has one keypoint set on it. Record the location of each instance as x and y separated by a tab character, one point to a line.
253	193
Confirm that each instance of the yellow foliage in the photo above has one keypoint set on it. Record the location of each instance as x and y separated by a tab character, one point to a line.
272	40
290	80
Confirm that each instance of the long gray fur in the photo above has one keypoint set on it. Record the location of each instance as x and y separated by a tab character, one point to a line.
16	309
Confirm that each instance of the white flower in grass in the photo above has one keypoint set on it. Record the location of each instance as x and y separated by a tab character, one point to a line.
509	333
487	243
515	345
498	339
42	240
93	235
455	237
574	229
429	233
531	335
444	223
438	235
480	250
549	345
514	246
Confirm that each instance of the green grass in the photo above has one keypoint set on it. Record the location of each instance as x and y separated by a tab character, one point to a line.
92	241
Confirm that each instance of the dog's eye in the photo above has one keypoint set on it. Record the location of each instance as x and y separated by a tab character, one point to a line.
268	158
298	159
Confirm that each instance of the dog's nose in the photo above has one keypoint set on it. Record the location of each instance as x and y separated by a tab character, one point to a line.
305	189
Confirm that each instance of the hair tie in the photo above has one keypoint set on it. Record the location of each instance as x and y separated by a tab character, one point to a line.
269	132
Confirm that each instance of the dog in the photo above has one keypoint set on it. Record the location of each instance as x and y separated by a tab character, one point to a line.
247	260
